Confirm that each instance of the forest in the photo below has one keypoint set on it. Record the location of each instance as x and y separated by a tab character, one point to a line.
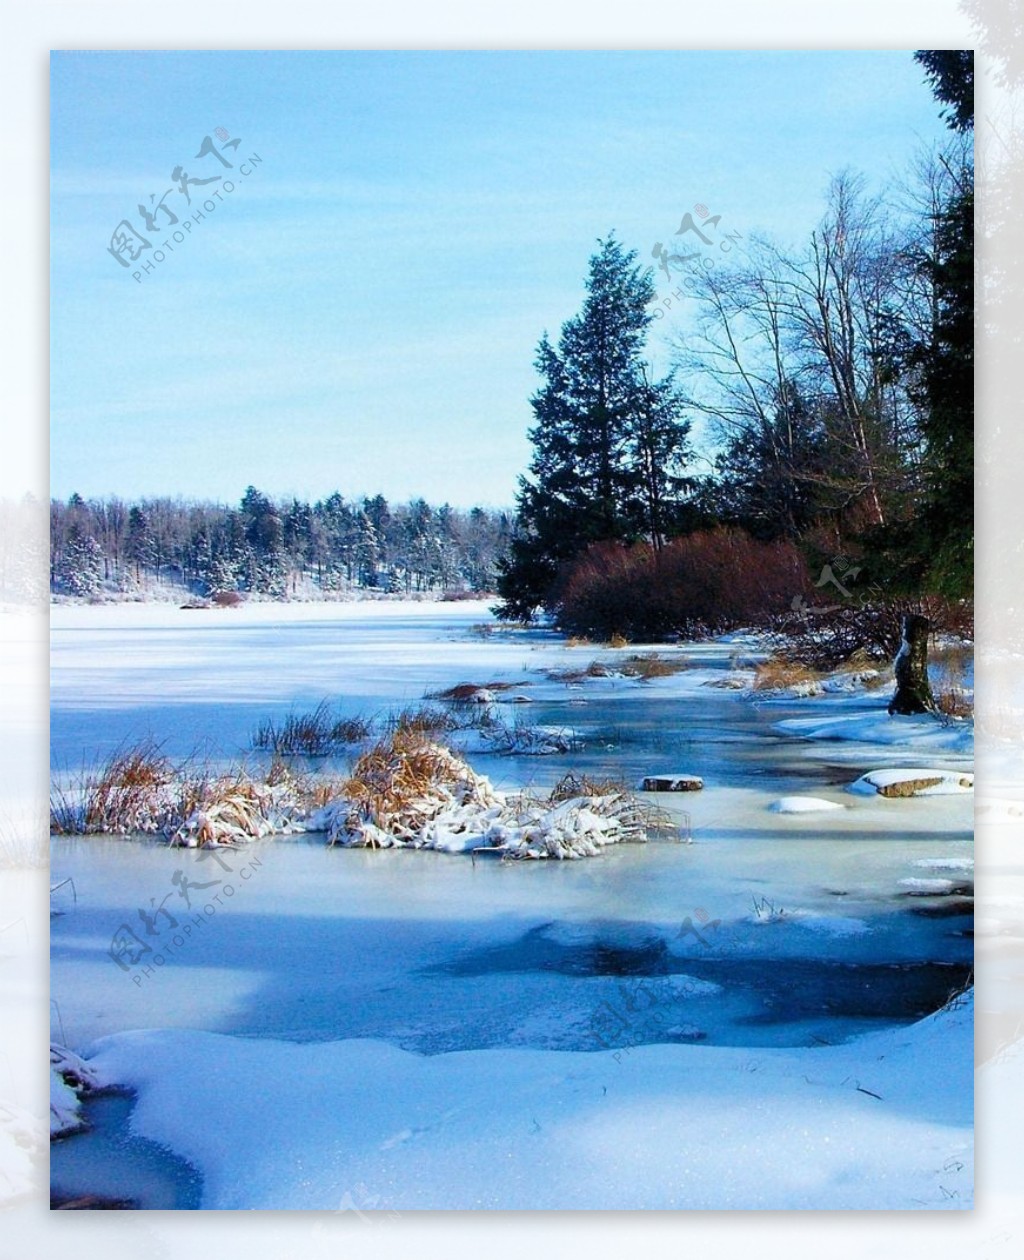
279	550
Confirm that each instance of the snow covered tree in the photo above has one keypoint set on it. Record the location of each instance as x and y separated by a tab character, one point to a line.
81	569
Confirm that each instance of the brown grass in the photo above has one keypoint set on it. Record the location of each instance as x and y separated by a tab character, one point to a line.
949	672
463	692
778	671
132	792
596	669
402	782
139	791
571	785
650	665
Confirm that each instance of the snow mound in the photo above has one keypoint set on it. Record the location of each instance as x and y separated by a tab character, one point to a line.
916	782
70	1077
926	731
927	885
803	805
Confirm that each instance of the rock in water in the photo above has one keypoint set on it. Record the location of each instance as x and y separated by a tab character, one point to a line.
671	783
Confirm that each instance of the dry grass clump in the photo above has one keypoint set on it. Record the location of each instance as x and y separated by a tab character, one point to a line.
949	666
520	738
955	704
618	641
425	720
404	781
315	734
133	792
572	785
650	665
779	671
236	808
596	669
139	791
465	693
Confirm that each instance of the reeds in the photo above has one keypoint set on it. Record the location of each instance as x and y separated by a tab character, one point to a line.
139	792
778	672
316	734
403	782
646	666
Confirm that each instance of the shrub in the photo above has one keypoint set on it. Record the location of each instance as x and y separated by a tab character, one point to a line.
859	630
703	583
227	599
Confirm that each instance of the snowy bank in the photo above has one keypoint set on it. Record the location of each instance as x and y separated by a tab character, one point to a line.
926	732
883	1122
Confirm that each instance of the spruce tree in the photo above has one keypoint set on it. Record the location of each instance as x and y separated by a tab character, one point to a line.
597	422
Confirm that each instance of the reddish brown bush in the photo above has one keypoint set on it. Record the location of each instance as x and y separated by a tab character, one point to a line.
703	583
227	599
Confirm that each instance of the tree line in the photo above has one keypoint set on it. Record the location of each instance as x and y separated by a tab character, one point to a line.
817	415
279	549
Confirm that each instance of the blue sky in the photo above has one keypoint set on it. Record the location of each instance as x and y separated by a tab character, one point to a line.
361	312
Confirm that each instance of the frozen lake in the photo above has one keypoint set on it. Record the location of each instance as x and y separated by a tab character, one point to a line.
768	930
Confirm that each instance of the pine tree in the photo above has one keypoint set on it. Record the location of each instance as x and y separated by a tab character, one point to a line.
140	547
605	439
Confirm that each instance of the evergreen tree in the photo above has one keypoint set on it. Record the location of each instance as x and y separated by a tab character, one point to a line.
770	477
140	547
946	359
81	570
597	422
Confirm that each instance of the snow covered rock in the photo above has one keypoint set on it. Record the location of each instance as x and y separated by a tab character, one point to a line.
671	783
903	783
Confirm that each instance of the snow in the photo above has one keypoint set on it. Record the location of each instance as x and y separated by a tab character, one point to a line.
422	1026
927	885
803	805
884	1122
926	732
22	1144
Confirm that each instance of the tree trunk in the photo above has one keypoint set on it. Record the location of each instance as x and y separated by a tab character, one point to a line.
913	690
